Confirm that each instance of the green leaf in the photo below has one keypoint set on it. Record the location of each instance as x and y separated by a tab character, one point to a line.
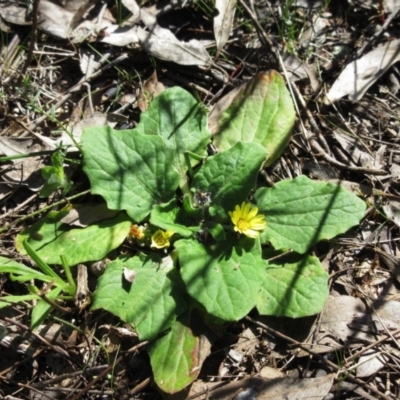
179	119
130	170
225	279
171	217
42	308
295	286
55	177
174	357
151	302
21	272
217	232
229	176
8	300
262	112
41	264
51	239
301	212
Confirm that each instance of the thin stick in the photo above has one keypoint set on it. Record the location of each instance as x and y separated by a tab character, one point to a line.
44	209
35	12
37	336
378	33
23	204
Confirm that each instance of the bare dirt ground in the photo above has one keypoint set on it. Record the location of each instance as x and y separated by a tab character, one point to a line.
56	73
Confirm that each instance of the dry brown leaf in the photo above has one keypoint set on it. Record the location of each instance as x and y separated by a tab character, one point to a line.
298	70
75	131
392	211
346	319
90	62
392	262
156	41
310	4
223	21
128	98
271	373
54	20
352	147
14	14
359	75
354	187
150	89
267	389
25	171
62	22
134	8
88	214
119	35
79	9
389	6
129	275
370	363
5	27
163	44
315	34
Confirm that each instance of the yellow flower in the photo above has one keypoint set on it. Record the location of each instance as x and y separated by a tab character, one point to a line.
137	232
160	239
246	220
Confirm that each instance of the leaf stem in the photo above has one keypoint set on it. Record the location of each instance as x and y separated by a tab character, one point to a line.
189	166
42	265
68	273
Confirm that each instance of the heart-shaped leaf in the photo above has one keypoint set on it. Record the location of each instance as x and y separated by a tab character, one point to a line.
295	286
301	212
51	239
225	279
151	302
130	170
229	176
177	117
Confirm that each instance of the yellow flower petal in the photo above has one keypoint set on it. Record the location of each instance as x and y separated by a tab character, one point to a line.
160	239
246	221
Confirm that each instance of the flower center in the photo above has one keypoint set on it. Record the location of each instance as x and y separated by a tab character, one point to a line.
160	239
242	224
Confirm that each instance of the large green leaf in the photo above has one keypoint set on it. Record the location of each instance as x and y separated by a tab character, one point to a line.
225	279
51	239
181	121
295	286
130	170
229	176
151	302
301	212
174	357
262	112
